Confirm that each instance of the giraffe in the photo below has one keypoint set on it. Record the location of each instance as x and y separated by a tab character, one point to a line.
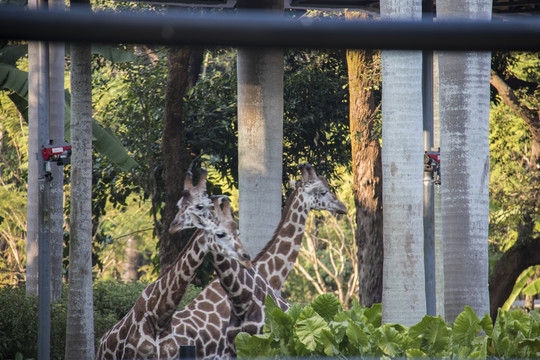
138	334
205	321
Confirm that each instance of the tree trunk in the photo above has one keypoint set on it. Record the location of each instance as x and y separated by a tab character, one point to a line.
56	133
32	207
131	261
404	299
174	152
80	319
464	113
260	138
519	257
367	172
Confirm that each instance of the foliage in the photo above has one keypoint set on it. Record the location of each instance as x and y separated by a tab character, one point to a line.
509	179
211	116
19	316
514	188
15	81
122	229
19	325
13	172
316	117
324	329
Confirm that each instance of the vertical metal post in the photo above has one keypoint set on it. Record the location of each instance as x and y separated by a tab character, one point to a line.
44	282
429	227
187	352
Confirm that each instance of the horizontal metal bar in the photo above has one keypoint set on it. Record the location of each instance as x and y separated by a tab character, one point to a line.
256	29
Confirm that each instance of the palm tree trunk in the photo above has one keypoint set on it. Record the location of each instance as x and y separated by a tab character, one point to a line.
32	207
367	172
80	319
260	138
56	133
403	298
260	144
464	113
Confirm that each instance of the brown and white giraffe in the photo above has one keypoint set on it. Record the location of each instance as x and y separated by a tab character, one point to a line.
205	321
139	334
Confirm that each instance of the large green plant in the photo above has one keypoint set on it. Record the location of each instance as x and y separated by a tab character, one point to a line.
323	329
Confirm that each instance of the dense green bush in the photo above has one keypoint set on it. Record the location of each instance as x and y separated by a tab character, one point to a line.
19	317
323	329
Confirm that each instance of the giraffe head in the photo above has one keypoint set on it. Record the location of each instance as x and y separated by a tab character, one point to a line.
317	192
194	200
223	232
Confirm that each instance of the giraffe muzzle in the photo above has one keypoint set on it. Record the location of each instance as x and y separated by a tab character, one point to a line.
245	260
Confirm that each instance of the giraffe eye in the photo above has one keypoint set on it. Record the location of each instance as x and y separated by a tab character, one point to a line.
220	235
324	193
199	207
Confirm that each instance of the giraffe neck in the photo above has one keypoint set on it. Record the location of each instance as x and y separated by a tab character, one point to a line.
277	259
236	281
160	299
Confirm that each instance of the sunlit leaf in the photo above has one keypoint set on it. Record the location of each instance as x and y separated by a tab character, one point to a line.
521	282
327	305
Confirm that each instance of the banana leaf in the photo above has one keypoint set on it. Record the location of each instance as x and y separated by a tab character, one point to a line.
104	140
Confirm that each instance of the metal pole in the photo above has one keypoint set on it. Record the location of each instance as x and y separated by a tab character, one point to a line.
44	277
267	30
429	228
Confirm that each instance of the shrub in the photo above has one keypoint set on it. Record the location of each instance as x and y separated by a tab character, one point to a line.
19	317
323	329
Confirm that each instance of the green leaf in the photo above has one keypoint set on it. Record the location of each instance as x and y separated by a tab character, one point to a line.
309	327
329	343
392	339
294	311
521	282
415	353
327	305
374	315
20	103
107	144
249	346
269	304
432	335
356	335
466	327
487	324
14	79
279	323
9	55
532	289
